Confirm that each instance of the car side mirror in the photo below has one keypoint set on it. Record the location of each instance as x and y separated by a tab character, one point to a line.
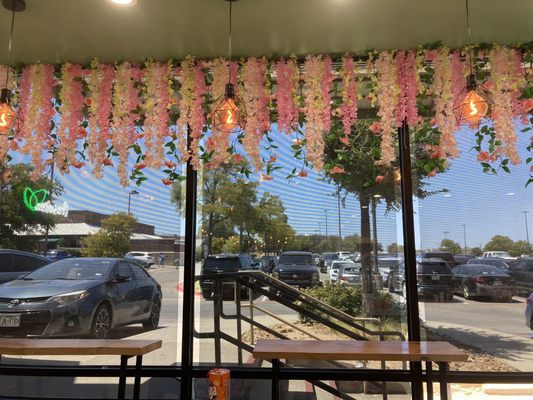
122	278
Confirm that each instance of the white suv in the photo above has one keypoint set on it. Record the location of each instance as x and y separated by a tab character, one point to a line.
141	256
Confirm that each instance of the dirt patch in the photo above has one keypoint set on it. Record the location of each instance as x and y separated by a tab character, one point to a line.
478	361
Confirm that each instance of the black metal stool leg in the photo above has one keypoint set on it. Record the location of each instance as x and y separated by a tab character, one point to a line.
429	384
122	378
275	379
443	381
137	382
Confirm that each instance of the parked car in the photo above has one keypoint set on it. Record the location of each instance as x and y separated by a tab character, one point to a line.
269	263
462	258
55	254
79	296
478	280
434	279
500	254
522	273
529	311
344	255
495	262
142	257
333	271
395	281
329	258
443	255
350	273
296	268
14	263
384	266
224	263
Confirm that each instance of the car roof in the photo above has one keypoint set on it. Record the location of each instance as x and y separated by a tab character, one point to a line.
223	255
296	253
23	253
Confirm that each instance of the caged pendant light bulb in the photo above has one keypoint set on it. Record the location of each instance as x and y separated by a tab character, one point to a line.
229	114
8	116
474	102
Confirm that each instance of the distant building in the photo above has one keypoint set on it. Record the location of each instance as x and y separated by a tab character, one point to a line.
70	231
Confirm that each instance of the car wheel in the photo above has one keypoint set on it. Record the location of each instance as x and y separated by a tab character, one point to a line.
153	321
101	325
466	292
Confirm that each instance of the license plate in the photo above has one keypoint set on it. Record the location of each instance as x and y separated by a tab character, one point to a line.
497	283
435	277
10	320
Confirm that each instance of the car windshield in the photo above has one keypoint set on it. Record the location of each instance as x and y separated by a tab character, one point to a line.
229	263
485	270
388	263
72	269
352	270
304	259
500	254
330	256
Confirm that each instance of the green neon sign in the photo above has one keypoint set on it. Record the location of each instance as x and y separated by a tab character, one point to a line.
32	199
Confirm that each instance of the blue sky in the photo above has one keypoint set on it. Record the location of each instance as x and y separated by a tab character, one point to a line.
483	202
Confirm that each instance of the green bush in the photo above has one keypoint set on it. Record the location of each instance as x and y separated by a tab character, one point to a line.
344	298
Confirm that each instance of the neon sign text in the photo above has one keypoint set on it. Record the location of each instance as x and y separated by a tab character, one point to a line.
35	200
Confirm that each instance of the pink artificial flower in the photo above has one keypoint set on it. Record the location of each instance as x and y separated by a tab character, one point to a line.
170	164
77	164
297	142
303	173
49	161
139	166
433	173
531	169
167	182
238	158
337	170
433	121
264	178
527	104
380	178
375	128
273	159
345	140
431	55
107	162
82	133
483	156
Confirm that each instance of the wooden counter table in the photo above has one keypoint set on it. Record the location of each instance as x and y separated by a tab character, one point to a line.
440	352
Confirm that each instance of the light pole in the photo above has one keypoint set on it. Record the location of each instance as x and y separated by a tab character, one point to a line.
464	236
446	234
527	234
320	228
129	199
375	234
326	212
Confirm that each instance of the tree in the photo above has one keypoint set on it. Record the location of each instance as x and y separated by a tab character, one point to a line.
113	240
450	246
499	243
356	169
271	224
394	248
520	248
476	251
14	215
352	243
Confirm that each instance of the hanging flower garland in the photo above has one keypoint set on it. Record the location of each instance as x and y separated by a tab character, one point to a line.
316	106
191	110
387	96
126	106
69	130
156	105
444	100
349	95
287	99
505	83
125	109
256	98
100	85
36	113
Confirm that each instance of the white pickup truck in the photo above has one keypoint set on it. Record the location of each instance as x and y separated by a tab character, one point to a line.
498	254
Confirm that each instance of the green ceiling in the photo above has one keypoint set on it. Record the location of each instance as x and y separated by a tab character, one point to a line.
78	30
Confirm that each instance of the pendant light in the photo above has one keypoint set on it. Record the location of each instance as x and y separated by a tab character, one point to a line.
475	101
229	114
8	116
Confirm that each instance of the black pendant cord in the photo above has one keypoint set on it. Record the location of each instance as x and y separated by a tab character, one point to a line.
469	38
229	43
9	46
